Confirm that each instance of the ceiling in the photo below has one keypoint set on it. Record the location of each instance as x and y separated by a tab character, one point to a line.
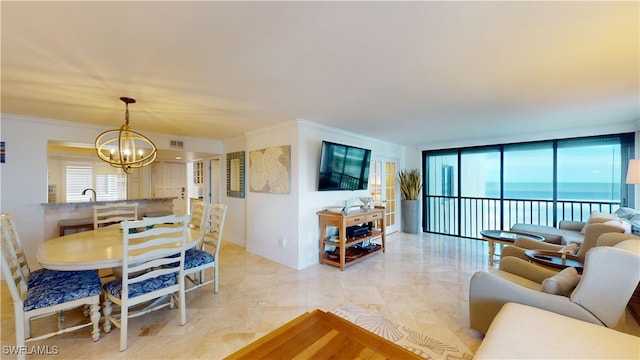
411	73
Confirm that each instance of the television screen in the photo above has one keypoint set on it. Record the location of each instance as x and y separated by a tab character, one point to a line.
343	167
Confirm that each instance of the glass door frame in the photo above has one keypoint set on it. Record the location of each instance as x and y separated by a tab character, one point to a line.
385	191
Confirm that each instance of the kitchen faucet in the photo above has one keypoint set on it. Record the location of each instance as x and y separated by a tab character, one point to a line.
94	198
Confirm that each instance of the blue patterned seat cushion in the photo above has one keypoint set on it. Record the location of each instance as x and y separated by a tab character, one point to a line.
41	276
114	287
194	258
63	287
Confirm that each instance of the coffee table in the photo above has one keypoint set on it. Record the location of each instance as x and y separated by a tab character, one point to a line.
554	259
502	237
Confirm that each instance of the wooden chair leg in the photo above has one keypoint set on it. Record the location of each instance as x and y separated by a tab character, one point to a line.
95	320
107	315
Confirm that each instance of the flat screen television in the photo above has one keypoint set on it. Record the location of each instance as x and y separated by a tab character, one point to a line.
343	167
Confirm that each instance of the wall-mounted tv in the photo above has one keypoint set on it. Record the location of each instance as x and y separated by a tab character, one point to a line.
343	167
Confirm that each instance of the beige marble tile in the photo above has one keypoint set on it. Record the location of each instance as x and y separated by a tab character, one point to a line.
421	282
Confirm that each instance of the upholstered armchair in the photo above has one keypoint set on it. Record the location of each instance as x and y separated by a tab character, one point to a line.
592	233
599	296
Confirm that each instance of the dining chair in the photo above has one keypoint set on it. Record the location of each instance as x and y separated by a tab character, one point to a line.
11	236
197	260
150	271
65	291
197	217
108	214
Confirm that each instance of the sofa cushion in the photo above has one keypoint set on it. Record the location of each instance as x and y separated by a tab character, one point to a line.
562	283
525	332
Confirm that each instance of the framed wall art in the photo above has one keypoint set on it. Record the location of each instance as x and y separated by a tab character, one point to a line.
269	170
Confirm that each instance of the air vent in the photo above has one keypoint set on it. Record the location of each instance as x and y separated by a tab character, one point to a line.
176	144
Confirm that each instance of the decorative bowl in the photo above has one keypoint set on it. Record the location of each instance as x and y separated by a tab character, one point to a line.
335	209
366	201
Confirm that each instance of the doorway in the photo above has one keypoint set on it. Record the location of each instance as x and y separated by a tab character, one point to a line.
213	183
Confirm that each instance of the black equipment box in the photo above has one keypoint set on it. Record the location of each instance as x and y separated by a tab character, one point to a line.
358	230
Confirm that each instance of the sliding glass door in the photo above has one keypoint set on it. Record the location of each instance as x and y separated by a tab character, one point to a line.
494	187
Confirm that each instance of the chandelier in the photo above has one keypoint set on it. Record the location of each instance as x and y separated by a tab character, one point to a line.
124	148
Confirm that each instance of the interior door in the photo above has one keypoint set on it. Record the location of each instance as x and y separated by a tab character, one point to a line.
170	180
212	180
382	185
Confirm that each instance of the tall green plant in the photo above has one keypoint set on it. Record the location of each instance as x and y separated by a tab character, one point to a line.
410	184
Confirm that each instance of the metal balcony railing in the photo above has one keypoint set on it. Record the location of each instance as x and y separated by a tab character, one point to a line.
467	216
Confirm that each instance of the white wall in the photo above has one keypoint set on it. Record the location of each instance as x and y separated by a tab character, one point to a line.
310	199
23	178
270	218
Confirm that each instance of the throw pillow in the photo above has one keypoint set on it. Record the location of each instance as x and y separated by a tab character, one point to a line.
561	283
598	217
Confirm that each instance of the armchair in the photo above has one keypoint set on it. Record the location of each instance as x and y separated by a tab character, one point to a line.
592	233
610	276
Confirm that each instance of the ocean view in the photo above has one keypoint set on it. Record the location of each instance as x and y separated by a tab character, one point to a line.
578	191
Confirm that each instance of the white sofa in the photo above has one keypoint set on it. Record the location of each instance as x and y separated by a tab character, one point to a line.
525	332
569	232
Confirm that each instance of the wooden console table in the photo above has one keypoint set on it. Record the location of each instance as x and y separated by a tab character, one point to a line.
342	221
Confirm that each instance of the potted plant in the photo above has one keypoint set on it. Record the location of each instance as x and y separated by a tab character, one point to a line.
410	185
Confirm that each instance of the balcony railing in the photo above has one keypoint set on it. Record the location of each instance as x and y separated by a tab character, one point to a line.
467	216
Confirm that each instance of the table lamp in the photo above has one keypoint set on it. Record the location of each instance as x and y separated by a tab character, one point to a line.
633	172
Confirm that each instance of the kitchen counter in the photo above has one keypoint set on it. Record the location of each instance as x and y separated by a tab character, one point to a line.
54	213
91	203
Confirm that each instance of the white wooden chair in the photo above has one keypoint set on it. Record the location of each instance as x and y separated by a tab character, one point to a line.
197	218
11	234
107	214
57	291
150	270
197	260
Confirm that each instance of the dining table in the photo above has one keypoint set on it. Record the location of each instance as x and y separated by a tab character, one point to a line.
92	250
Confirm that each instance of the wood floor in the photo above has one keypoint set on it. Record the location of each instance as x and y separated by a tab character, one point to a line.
321	335
422	282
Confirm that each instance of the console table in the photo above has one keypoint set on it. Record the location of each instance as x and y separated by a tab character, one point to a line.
355	245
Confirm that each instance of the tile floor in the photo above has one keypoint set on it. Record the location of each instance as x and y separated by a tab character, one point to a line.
422	282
